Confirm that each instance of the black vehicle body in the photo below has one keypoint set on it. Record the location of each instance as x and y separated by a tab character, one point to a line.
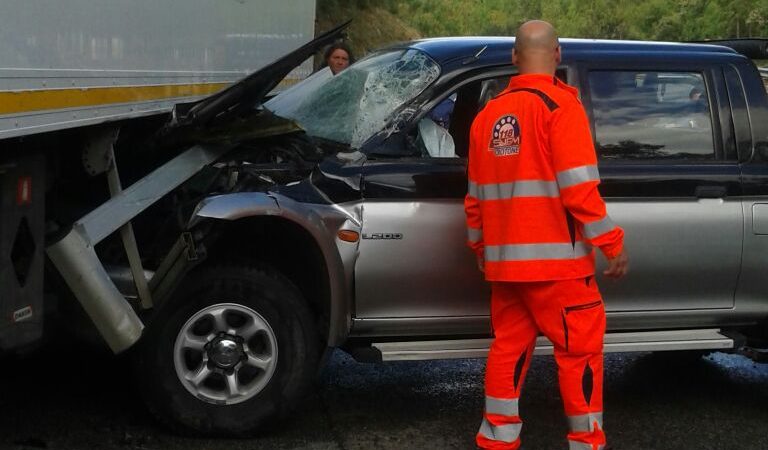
389	167
405	287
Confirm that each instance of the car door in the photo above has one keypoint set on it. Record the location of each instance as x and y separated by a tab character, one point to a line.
671	180
414	262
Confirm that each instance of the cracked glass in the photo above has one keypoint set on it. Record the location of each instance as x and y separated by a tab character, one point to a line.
360	101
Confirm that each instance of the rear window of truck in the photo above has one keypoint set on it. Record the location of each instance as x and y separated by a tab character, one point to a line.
647	115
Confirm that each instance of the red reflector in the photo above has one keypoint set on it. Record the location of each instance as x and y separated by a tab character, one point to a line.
24	191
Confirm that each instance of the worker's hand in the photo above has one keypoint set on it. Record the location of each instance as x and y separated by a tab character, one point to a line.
617	267
481	263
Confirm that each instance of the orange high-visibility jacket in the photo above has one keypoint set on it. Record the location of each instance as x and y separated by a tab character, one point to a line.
533	208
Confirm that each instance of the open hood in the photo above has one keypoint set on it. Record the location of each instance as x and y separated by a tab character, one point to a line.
250	91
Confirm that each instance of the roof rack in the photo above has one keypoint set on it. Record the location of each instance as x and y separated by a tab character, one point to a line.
752	48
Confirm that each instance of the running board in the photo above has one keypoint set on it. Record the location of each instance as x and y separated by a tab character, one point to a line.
708	339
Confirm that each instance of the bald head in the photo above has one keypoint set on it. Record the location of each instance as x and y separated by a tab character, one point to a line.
537	49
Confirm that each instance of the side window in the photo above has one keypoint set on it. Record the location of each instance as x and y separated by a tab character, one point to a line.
444	131
650	115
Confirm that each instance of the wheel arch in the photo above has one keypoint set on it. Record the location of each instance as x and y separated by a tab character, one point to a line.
297	239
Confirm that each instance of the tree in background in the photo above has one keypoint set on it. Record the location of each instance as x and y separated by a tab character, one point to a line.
678	20
380	22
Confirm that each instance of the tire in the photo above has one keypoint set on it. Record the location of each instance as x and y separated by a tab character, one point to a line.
233	350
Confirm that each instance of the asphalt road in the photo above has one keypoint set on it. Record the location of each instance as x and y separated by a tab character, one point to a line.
69	399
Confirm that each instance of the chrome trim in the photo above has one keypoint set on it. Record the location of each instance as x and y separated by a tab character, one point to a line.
707	339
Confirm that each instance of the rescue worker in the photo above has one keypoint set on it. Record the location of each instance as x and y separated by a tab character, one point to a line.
534	215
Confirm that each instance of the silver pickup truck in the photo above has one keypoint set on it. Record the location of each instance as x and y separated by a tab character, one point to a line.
335	217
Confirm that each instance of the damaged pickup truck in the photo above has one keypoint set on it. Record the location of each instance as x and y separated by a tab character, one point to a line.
331	215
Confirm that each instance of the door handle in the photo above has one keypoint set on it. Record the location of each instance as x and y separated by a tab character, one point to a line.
710	191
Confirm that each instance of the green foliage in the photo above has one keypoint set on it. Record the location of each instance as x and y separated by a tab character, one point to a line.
675	20
328	8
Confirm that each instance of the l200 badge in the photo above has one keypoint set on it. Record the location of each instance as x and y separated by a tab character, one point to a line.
389	236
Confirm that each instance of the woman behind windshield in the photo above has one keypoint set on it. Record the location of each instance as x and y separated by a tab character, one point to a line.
337	57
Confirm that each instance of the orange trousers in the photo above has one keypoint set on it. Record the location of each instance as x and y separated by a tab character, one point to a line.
571	314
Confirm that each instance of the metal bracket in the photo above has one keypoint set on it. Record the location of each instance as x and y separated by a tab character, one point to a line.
79	265
99	157
182	257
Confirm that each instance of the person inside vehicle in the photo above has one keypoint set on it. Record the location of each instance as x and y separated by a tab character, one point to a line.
337	57
695	94
697	100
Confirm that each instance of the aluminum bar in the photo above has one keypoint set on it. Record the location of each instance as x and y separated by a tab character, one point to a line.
113	316
128	237
113	214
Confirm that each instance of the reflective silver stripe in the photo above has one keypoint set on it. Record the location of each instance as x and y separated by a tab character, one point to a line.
505	433
528	252
474	235
515	189
577	175
602	226
472	189
585	422
501	406
576	445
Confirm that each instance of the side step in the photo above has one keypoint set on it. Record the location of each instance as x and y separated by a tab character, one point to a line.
708	339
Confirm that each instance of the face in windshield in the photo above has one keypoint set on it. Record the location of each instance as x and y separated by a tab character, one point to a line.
337	60
356	104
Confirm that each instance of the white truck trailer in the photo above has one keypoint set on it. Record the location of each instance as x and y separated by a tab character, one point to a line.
80	62
73	75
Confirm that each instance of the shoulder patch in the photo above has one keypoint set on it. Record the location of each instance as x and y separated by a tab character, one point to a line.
505	136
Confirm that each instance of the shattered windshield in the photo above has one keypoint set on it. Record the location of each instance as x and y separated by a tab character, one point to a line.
355	104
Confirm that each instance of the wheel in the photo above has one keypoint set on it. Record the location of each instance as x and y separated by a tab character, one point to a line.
234	349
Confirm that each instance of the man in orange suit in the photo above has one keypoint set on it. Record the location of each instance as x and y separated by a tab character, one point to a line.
534	215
